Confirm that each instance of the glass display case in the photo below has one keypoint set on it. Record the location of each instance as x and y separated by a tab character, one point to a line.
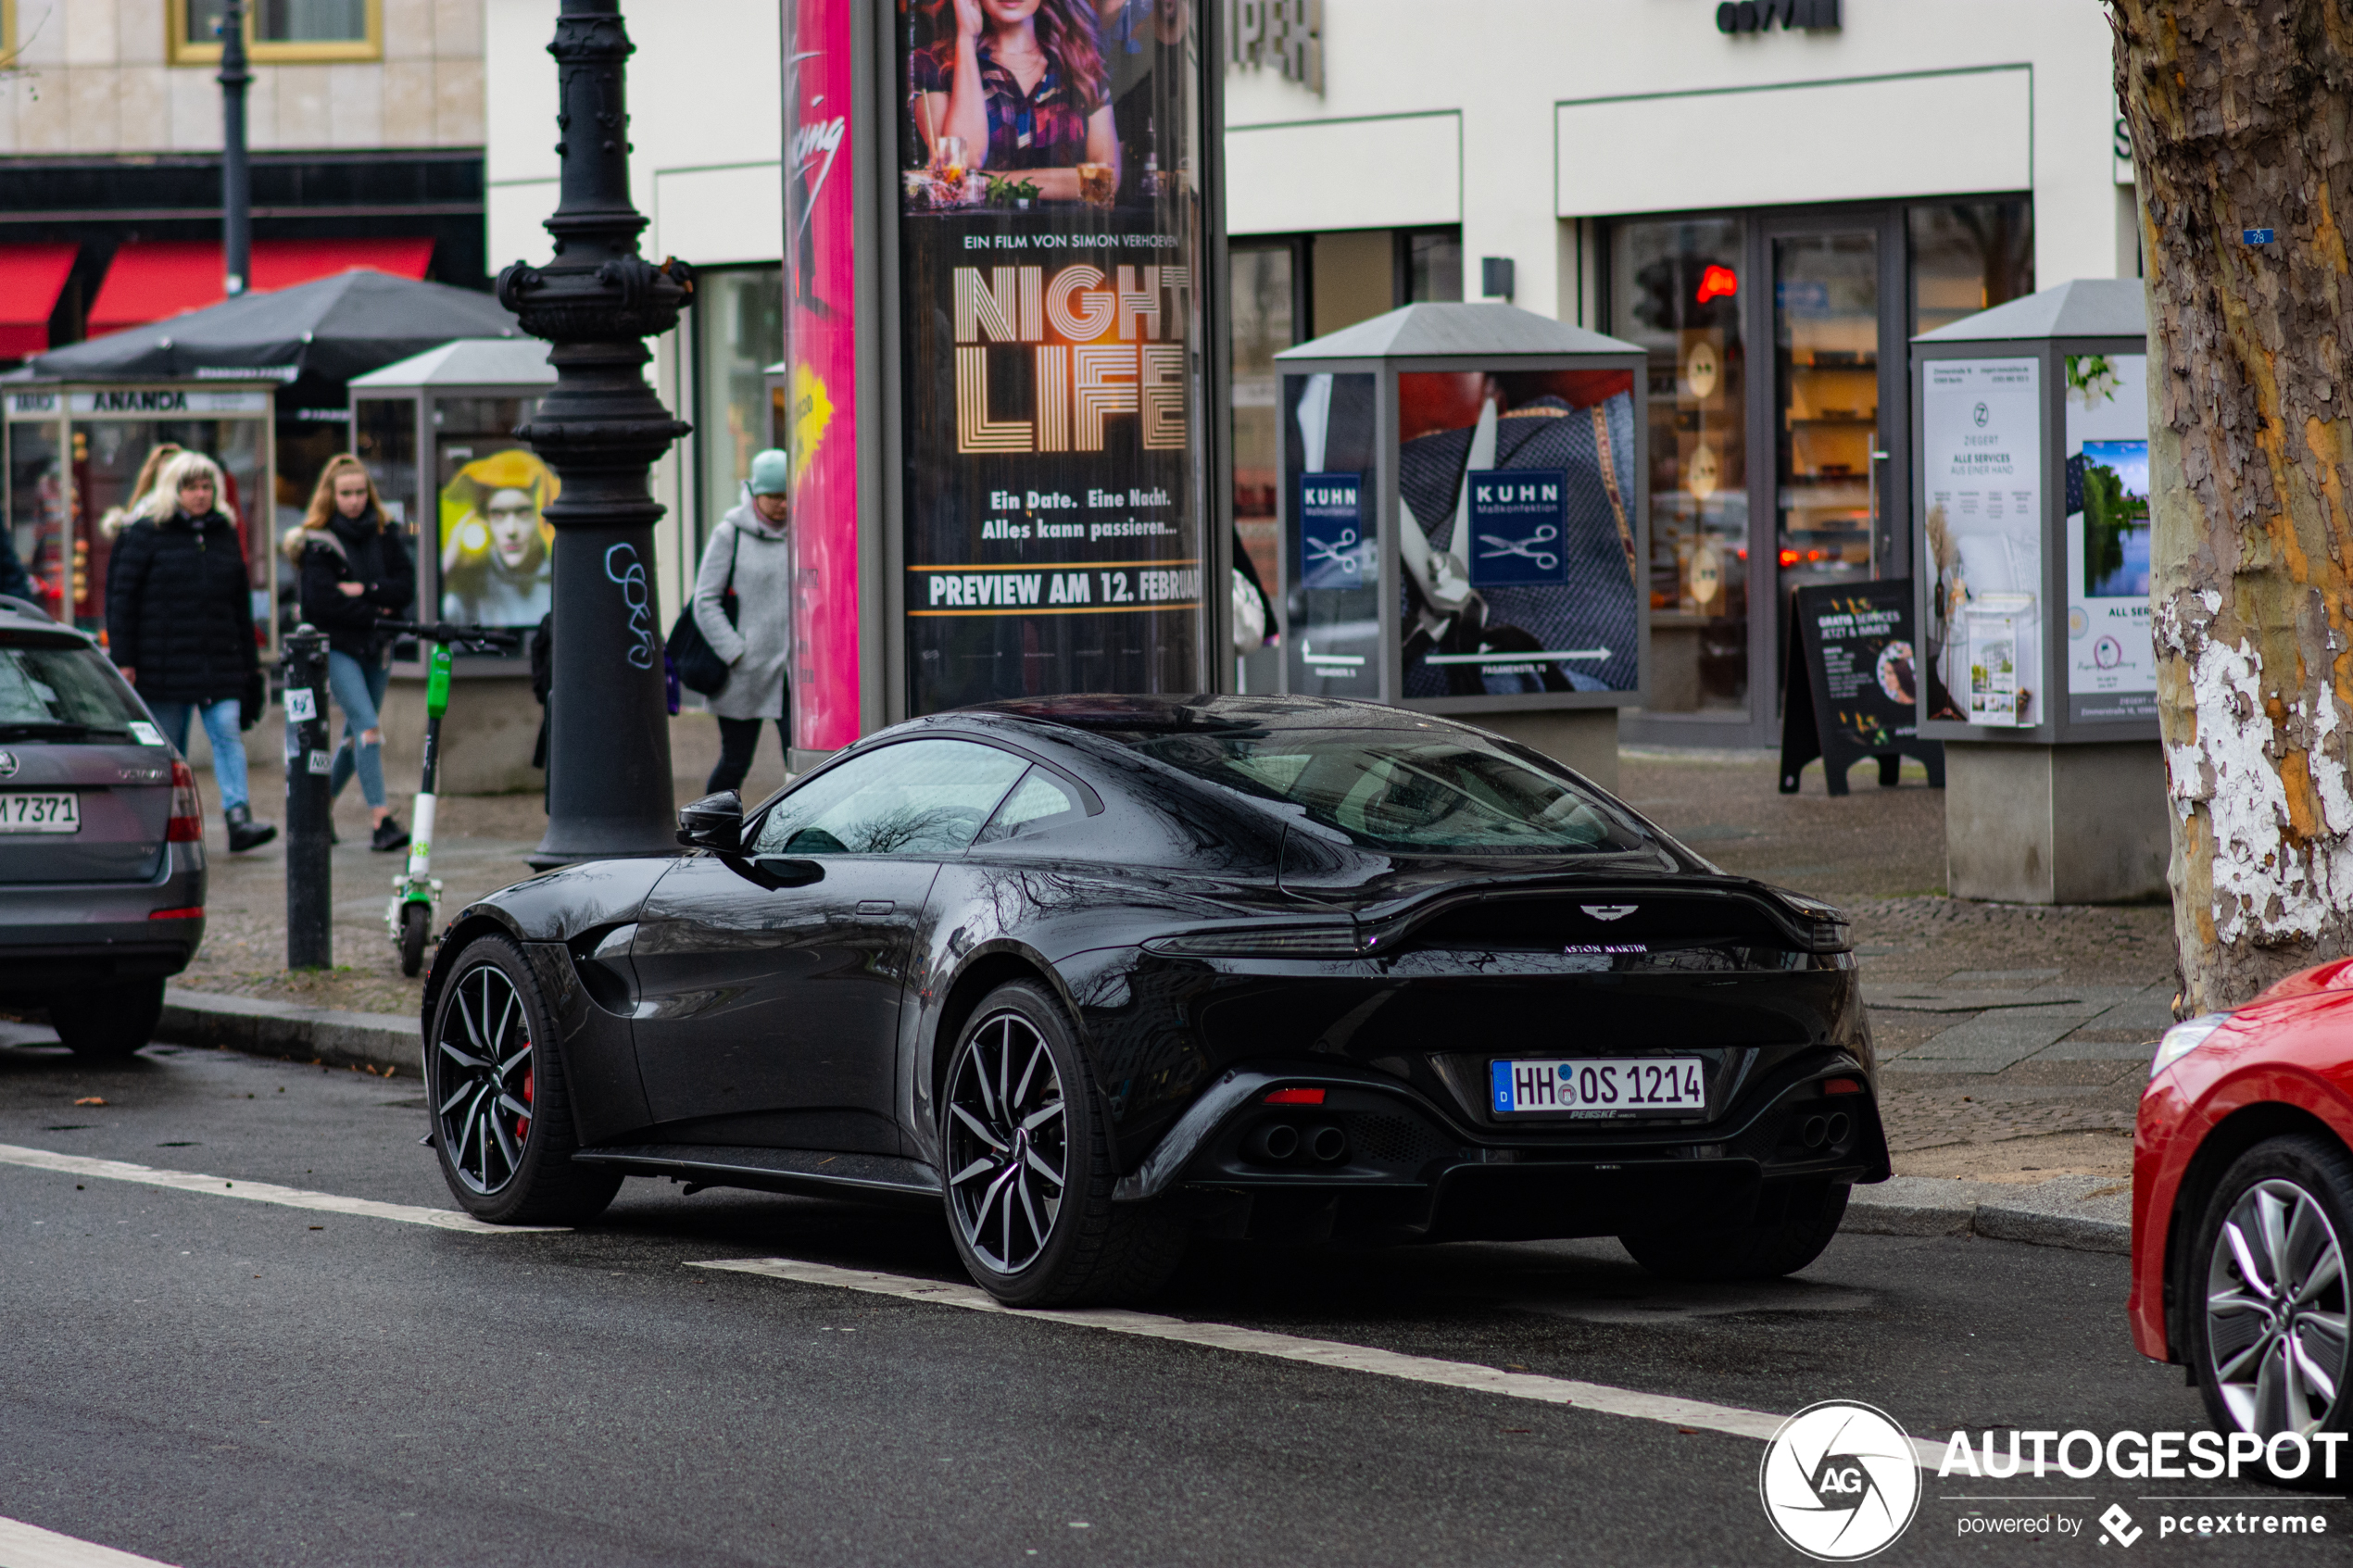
1464	505
75	455
437	433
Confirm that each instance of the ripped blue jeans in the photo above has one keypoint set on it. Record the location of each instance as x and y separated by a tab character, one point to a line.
359	692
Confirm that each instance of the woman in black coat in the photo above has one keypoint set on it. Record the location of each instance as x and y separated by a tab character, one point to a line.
180	624
356	575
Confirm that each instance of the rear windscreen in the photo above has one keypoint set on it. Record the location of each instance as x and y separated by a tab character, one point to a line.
1438	794
53	688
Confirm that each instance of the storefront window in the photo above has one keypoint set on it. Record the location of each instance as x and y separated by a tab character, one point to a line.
739	327
1431	265
1675	290
1263	327
1969	257
385	432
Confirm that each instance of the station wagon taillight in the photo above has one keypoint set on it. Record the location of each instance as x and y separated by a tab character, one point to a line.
187	808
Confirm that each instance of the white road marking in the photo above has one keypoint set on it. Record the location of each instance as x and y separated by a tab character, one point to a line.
256	1192
29	1546
1601	1397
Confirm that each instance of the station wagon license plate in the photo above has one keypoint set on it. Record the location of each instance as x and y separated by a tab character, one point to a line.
40	813
1637	1086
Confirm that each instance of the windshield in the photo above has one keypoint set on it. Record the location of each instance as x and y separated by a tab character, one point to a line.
1443	793
54	688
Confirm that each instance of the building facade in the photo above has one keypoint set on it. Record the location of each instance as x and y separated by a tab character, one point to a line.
1771	211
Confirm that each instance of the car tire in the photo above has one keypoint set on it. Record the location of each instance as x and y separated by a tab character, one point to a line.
2283	1208
1792	1234
1027	1157
110	1023
502	1123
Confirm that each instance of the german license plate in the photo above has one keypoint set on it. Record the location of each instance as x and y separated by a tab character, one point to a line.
39	813
1634	1086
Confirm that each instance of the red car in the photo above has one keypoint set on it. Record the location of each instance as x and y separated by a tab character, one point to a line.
2242	1206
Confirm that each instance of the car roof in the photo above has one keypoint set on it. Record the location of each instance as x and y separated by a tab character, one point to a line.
1101	713
23	615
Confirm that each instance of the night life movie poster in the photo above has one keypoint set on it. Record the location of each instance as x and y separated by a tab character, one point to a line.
1051	243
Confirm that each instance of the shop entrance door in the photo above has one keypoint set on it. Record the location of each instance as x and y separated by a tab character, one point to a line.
1836	402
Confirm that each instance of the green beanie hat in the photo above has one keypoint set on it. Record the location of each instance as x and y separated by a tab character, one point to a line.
771	473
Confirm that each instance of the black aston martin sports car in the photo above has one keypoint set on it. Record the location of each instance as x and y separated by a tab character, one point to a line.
1097	974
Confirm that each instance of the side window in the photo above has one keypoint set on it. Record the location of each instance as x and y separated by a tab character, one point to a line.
918	797
1039	799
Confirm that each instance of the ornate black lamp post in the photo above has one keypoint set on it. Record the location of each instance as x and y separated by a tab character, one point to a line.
600	429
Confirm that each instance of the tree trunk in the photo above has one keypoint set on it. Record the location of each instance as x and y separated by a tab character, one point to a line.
2240	122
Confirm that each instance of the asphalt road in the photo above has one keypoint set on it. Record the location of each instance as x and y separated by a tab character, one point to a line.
209	1382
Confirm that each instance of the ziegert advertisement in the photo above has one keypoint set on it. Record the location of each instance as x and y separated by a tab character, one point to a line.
1051	243
1982	470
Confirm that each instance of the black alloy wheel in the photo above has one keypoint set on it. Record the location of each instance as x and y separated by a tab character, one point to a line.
1026	1164
2269	1298
1008	1143
501	1116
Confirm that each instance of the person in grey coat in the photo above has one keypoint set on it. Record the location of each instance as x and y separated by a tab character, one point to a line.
750	553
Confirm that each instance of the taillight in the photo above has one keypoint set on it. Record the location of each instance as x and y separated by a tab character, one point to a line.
1294	1097
187	810
187	912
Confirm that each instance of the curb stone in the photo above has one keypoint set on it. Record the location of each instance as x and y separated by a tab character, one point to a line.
2078	1212
2084	1213
289	1028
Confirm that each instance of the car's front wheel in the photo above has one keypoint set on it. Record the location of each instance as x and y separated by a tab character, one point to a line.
1028	1165
1788	1232
110	1023
501	1109
2268	1299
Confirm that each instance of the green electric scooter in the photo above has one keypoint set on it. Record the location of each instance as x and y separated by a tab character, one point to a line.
416	893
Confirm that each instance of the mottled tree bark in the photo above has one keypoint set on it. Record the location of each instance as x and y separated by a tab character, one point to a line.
2242	119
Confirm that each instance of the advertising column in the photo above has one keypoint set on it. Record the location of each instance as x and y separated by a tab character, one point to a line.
821	353
1052	241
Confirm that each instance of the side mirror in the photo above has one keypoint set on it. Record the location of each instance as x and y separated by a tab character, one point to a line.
716	822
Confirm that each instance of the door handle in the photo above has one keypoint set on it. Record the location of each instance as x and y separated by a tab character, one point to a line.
875	906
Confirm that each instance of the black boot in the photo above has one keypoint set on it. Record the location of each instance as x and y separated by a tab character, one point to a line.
244	832
389	835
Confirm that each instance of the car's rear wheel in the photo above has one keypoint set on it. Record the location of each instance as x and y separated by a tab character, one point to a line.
2268	1298
1788	1232
1027	1166
501	1109
110	1023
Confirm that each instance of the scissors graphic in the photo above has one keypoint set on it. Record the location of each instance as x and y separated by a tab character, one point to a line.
1340	551
1545	560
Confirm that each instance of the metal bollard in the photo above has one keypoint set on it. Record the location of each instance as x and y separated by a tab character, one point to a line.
309	894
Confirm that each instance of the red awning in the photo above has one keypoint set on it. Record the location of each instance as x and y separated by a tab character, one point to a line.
30	279
153	278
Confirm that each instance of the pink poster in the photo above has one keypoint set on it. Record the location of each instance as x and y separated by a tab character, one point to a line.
821	356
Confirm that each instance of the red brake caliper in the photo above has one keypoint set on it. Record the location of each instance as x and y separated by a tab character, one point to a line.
522	1123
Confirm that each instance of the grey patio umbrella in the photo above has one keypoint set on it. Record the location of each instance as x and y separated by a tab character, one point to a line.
332	328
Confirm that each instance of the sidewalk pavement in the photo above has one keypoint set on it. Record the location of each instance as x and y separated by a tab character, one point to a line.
2013	1040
